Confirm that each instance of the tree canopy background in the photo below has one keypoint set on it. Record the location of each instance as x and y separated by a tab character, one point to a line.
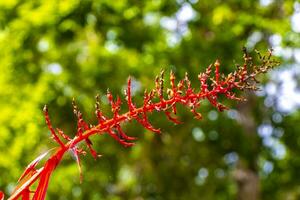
52	51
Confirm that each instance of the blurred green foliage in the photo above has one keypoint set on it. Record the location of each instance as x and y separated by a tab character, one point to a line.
52	51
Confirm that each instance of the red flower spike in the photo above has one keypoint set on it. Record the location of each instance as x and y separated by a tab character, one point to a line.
117	107
32	165
123	135
217	74
83	126
77	113
75	108
173	119
101	118
244	77
157	87
172	81
120	140
187	81
221	107
208	70
131	106
203	78
161	85
180	86
197	115
144	122
48	122
109	97
61	133
147	99
174	109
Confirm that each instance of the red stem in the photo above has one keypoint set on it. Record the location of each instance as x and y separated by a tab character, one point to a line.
240	79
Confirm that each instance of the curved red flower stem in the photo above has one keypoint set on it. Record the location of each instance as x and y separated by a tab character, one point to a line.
108	124
211	88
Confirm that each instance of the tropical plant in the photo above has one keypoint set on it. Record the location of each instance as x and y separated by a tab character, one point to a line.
160	99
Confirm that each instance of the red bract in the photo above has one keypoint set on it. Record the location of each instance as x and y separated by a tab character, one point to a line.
211	87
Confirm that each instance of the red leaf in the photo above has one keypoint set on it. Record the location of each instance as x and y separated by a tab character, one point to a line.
1	195
173	119
25	183
33	164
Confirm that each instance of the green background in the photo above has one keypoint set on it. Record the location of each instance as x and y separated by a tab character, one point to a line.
52	51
